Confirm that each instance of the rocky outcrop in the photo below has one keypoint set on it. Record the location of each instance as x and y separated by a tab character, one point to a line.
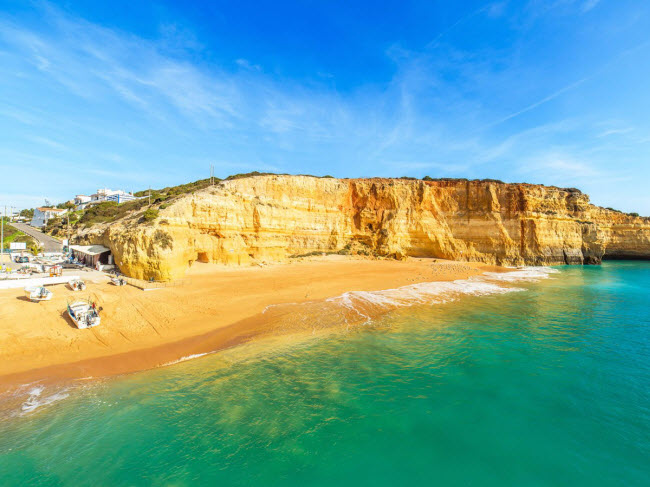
272	218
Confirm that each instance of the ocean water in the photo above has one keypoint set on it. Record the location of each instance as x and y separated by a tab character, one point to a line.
542	379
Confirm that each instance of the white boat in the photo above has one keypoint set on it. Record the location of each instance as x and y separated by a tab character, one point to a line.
38	293
118	281
77	285
83	314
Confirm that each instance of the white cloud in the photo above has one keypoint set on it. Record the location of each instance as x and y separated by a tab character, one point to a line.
621	131
589	4
246	64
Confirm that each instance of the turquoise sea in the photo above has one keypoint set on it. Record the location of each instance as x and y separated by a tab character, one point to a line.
544	384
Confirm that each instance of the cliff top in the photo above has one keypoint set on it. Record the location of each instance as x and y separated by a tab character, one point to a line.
147	209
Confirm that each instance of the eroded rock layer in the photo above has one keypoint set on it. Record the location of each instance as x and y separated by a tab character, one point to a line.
272	218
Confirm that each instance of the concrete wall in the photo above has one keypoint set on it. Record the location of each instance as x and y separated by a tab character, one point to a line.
35	281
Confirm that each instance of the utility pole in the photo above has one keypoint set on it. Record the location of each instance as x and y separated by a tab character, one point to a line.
2	236
149	195
212	175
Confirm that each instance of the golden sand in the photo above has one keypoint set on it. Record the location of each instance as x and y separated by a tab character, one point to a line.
217	308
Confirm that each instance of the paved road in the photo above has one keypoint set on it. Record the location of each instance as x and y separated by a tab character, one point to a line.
50	244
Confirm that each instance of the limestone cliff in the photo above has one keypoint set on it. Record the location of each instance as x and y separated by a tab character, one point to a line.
271	218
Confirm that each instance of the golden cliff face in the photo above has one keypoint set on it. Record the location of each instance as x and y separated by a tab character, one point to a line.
270	218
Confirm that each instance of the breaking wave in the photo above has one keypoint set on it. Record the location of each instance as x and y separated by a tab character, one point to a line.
186	358
36	400
362	302
367	303
28	398
522	274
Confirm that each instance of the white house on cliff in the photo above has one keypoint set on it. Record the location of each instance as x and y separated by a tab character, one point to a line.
43	214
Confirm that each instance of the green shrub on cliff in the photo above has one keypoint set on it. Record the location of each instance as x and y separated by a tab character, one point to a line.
163	239
150	214
99	213
248	175
109	211
51	224
170	191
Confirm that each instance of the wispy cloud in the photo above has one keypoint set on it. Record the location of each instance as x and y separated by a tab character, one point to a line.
119	109
621	131
589	4
246	64
565	166
52	144
539	103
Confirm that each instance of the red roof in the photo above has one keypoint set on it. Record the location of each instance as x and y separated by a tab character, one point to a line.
43	208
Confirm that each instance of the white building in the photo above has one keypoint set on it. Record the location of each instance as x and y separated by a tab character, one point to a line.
81	200
43	214
121	197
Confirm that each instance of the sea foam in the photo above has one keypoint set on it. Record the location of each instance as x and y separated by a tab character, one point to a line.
365	303
186	358
522	274
35	399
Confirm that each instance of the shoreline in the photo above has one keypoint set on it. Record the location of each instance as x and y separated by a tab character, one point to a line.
222	307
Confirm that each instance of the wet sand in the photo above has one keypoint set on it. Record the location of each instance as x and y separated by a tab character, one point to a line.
217	308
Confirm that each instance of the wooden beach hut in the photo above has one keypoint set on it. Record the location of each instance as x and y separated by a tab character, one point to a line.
91	255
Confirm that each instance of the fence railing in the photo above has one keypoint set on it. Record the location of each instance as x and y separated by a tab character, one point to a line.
148	285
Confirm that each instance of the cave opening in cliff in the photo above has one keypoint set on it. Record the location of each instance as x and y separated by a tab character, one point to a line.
202	257
622	255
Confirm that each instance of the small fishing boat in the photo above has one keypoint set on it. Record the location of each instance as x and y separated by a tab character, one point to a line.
77	285
118	281
38	293
84	314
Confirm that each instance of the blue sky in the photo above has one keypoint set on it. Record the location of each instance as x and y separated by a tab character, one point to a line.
130	94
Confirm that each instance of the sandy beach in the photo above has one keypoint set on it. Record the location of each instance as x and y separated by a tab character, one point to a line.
217	307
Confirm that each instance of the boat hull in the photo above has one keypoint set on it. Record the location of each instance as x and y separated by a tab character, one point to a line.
38	294
77	285
83	315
